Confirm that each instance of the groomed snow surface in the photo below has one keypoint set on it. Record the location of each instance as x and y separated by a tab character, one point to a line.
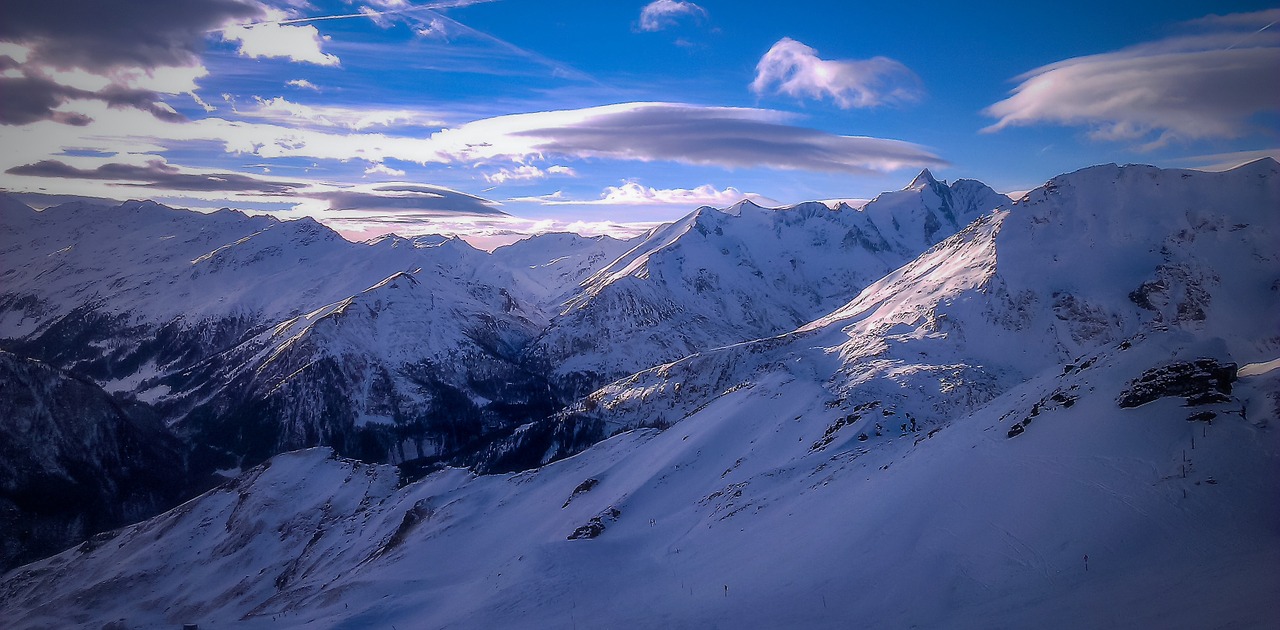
858	472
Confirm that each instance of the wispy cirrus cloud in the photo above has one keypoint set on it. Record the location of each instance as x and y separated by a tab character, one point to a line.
661	14
284	111
1205	83
302	84
384	10
794	69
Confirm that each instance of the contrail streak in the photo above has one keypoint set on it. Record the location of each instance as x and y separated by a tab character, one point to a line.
431	6
1242	39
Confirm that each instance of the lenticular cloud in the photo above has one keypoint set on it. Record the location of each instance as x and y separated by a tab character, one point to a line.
1207	84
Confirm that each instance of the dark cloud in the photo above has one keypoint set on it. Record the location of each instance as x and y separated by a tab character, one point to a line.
32	98
408	198
725	137
29	99
156	174
98	35
145	100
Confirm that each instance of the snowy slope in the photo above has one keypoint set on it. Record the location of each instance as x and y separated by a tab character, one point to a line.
723	276
759	503
730	520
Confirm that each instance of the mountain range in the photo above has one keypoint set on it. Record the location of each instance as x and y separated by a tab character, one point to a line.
944	407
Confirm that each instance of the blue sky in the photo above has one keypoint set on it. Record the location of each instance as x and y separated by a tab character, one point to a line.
502	117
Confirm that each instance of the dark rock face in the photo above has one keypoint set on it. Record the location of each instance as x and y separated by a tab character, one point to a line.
1202	380
595	526
583	487
74	461
103	346
556	437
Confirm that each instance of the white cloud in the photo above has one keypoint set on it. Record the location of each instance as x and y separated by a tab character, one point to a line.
15	51
432	28
303	84
269	39
795	69
1207	84
546	200
163	79
661	14
282	110
202	103
527	172
633	193
378	168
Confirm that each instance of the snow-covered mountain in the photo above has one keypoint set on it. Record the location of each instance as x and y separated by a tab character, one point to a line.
255	336
1061	416
1091	258
718	277
75	462
109	290
412	367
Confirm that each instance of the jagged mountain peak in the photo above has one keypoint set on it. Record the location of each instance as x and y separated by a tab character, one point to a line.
744	205
922	180
397	280
719	277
